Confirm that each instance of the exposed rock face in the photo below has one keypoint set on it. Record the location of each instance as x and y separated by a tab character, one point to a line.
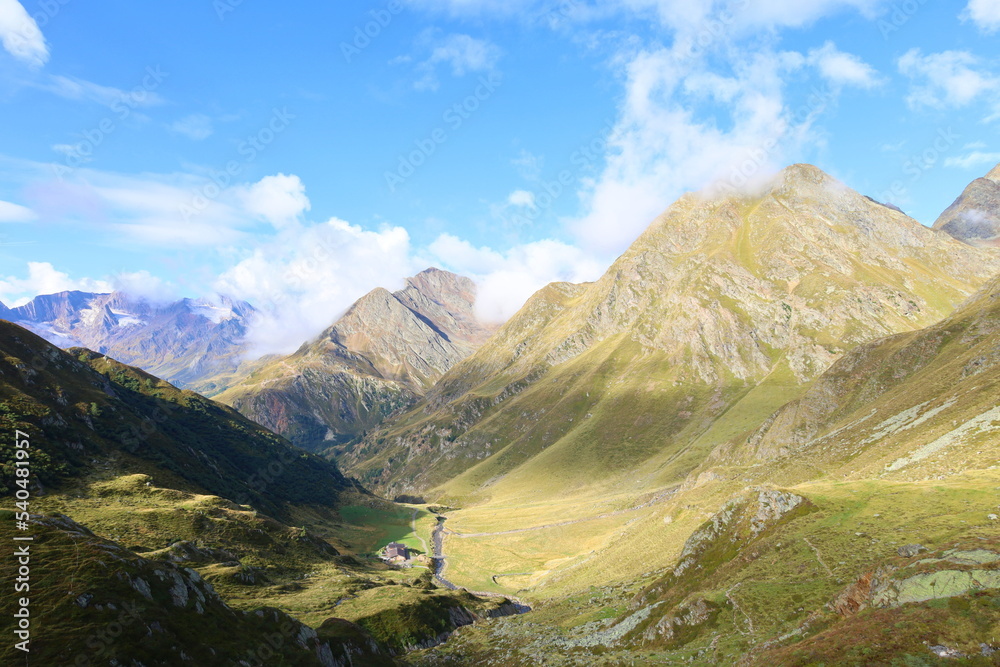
186	342
720	296
378	358
741	518
910	406
188	553
668	612
975	215
952	573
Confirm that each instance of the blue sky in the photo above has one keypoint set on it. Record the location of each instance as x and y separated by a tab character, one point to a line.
300	154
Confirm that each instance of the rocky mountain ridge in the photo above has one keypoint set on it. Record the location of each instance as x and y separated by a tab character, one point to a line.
975	215
382	354
756	295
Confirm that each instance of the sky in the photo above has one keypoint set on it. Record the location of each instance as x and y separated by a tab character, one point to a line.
298	155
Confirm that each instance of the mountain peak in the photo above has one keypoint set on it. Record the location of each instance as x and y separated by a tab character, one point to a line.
974	217
386	350
434	282
994	174
804	172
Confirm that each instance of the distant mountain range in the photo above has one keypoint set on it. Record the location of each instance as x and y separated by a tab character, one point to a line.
380	357
188	342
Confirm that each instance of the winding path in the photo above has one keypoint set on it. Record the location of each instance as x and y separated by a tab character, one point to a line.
413	525
439	566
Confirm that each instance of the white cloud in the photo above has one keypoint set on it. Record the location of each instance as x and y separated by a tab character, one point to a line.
844	69
684	15
972	160
20	34
179	210
528	165
43	278
279	200
507	279
151	210
196	126
74	88
16	213
946	79
984	13
521	198
144	285
681	128
303	279
461	53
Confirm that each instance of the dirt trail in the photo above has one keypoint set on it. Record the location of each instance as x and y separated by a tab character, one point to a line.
413	525
819	556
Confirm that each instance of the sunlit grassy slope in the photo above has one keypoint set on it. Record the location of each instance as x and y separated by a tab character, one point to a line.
895	445
723	311
804	353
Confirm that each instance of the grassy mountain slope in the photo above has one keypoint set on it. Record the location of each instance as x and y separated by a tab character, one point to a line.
916	406
377	359
88	409
96	603
856	526
721	312
217	537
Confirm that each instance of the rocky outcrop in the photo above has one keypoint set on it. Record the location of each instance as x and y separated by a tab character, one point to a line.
112	606
670	611
189	553
951	573
975	216
376	360
748	516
